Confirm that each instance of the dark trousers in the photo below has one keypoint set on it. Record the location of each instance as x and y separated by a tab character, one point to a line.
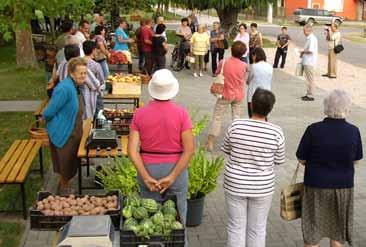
280	53
207	57
250	109
250	55
148	62
159	62
141	59
217	51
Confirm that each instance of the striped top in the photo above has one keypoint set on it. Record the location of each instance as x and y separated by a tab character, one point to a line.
253	148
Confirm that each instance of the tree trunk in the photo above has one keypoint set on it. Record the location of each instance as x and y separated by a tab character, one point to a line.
53	31
270	13
228	17
360	9
25	53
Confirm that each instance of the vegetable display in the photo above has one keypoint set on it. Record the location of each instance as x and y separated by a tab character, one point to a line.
146	217
71	205
203	174
119	57
120	175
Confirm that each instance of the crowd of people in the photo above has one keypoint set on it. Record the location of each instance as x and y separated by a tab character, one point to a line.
161	142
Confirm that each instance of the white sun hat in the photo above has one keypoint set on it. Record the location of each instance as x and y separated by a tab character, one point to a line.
163	85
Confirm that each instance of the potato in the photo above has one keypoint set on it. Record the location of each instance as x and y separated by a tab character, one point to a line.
46	206
72	202
51	198
47	212
73	213
45	201
57	197
65	205
114	198
109	198
72	196
98	202
40	207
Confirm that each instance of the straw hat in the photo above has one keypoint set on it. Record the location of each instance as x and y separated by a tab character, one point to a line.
163	85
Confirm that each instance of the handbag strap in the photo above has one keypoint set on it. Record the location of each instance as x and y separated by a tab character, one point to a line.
294	177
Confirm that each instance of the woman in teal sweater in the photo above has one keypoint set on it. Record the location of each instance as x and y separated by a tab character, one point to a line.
64	123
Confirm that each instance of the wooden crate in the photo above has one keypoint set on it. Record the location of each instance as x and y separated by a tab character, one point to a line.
126	88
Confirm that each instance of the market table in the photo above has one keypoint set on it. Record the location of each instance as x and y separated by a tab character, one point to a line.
84	152
116	99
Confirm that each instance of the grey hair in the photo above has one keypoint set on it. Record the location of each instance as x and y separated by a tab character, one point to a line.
337	104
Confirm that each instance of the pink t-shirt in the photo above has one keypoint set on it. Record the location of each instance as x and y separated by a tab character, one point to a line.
160	125
235	77
245	39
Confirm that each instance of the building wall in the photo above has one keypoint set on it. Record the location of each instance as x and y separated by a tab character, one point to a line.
291	5
349	7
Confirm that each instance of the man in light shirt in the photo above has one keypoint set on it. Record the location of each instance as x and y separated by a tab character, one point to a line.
309	60
83	33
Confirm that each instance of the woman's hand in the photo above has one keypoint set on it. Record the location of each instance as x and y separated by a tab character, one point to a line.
165	183
152	184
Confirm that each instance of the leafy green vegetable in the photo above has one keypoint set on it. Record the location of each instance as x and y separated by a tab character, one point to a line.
199	124
177	225
203	174
120	175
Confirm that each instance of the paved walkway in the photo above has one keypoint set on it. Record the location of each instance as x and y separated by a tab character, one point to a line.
293	115
19	105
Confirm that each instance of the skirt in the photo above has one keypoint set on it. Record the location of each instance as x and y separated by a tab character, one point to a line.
65	160
327	213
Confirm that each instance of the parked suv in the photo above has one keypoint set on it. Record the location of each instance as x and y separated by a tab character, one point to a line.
311	16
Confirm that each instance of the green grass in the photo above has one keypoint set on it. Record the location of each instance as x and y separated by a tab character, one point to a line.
14	125
19	84
355	37
172	38
267	43
10	234
172	17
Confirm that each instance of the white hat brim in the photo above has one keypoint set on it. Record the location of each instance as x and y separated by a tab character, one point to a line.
164	96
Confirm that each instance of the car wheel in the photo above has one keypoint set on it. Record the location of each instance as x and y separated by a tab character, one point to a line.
310	21
337	22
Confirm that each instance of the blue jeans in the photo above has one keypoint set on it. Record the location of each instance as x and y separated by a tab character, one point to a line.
141	59
105	68
179	188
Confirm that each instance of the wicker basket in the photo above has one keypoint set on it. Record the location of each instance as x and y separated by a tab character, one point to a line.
39	133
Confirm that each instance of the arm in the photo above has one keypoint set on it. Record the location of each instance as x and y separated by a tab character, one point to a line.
188	152
165	45
226	145
53	79
280	155
57	101
102	47
304	147
260	40
285	45
135	156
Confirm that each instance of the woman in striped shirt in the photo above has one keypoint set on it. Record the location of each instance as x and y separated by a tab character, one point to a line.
253	146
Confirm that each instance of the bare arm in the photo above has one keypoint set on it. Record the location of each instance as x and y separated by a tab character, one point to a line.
260	40
135	156
188	151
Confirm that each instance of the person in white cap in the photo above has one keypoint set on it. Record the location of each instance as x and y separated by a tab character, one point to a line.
161	143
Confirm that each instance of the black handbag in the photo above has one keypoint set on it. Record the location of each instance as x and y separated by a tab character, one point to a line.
338	48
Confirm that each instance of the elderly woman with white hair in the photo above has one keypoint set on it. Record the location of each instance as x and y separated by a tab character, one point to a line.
329	150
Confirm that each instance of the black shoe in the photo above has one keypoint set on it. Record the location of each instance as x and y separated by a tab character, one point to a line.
307	98
214	75
332	77
325	75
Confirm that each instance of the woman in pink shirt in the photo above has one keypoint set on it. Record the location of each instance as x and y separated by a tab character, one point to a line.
243	36
235	76
161	143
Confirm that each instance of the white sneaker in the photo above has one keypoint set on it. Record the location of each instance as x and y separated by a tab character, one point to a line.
201	74
195	75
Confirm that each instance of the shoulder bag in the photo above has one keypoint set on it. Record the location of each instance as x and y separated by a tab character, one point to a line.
291	199
338	48
217	87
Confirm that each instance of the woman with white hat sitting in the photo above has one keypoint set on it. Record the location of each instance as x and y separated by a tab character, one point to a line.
161	142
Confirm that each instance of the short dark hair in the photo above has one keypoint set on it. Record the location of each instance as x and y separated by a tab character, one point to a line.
262	102
98	30
284	28
66	26
260	55
243	25
71	51
83	22
89	46
184	19
160	28
254	25
122	20
238	49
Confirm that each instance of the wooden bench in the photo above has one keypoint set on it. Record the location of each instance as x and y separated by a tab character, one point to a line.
16	165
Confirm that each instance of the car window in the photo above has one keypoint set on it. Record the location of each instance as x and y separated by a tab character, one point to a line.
312	12
327	13
297	12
